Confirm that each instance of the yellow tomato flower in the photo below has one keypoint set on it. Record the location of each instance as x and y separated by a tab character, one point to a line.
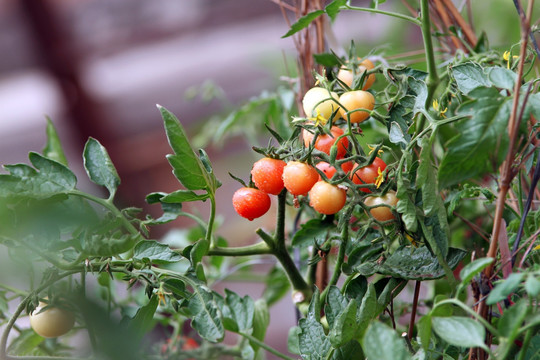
319	119
380	177
372	148
506	57
413	242
437	108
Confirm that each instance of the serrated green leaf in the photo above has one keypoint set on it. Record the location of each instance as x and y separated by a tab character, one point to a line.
335	304
187	167
504	288
99	166
314	231
460	331
469	76
53	148
207	319
396	135
419	88
181	196
470	270
53	177
367	311
144	321
482	143
351	350
156	252
426	180
303	22
240	309
334	8
412	264
501	77
312	341
293	340
383	343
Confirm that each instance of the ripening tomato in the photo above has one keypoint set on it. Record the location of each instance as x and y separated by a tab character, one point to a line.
347	76
299	177
324	142
330	171
322	100
251	203
51	322
267	175
326	198
367	174
353	101
380	212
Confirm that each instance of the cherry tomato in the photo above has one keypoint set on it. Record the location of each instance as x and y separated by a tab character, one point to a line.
330	171
354	100
367	174
52	322
267	175
324	142
326	198
251	203
347	76
299	177
322	100
382	213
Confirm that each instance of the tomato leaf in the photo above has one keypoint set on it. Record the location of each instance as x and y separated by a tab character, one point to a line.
469	76
261	320
382	342
335	304
207	318
155	252
412	264
501	77
327	59
239	309
312	232
170	211
459	331
181	196
303	22
334	8
53	148
367	311
344	326
277	285
52	177
144	321
312	341
187	167
99	167
504	288
481	145
470	270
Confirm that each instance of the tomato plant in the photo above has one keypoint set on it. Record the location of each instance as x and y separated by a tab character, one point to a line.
267	175
451	221
49	321
251	203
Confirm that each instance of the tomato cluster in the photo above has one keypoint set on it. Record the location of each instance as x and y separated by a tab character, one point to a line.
313	173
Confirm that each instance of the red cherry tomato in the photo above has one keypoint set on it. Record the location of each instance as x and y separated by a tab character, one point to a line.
251	203
324	142
330	171
367	174
267	175
299	177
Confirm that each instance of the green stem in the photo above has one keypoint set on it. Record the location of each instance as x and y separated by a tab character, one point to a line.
471	312
526	342
109	206
387	13
260	248
265	347
210	228
432	80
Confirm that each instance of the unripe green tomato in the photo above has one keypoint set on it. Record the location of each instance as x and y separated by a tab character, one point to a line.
52	322
322	100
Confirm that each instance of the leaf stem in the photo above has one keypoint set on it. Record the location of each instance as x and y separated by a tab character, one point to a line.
265	347
260	248
383	12
210	226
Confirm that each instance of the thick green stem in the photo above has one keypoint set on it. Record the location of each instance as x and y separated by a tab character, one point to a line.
260	248
210	228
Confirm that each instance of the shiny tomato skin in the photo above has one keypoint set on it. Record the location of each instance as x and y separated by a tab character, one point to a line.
354	100
299	177
52	322
330	171
367	174
324	142
321	99
347	76
326	198
382	213
251	203
267	175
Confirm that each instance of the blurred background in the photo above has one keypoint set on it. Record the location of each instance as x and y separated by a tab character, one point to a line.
98	68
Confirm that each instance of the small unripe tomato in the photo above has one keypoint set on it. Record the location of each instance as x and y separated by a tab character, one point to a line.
347	76
267	175
326	198
51	322
251	203
324	142
320	99
352	101
367	174
380	212
299	177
